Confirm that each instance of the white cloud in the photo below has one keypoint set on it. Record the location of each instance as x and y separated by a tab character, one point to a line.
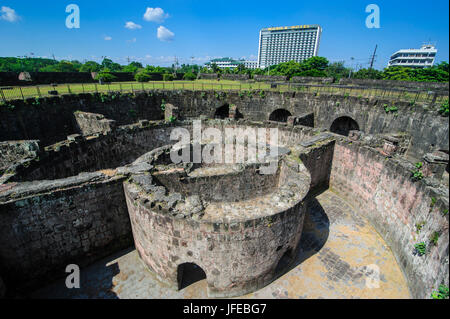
8	14
165	34
132	40
132	26
107	38
155	15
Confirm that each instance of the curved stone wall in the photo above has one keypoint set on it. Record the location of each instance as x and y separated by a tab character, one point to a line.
50	219
238	252
383	190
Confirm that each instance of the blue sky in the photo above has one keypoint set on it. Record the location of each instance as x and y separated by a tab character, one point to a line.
209	29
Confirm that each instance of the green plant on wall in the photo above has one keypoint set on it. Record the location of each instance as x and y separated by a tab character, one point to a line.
419	226
445	212
433	201
8	106
36	102
417	175
435	238
203	95
241	95
390	109
443	110
172	119
441	293
115	96
420	248
104	98
262	94
163	105
249	94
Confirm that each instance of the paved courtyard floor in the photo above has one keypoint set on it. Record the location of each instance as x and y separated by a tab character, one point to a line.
340	256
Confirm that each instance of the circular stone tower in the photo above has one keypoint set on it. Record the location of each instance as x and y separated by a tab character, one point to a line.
234	221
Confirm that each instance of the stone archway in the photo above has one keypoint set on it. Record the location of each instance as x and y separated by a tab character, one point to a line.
343	125
280	115
188	274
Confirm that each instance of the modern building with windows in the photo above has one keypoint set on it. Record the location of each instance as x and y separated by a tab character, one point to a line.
283	44
224	63
250	64
414	58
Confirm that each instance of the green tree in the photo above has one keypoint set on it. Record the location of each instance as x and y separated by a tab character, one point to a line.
215	68
368	74
112	66
397	73
63	66
133	67
337	70
90	66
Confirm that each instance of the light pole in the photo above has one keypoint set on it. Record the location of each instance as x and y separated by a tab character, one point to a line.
351	67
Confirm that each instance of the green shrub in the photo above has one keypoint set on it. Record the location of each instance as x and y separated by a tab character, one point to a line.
142	76
189	76
172	119
442	293
417	175
168	77
421	248
444	108
262	94
105	77
163	105
391	109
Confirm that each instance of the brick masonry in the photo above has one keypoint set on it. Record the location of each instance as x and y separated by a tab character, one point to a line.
394	204
57	219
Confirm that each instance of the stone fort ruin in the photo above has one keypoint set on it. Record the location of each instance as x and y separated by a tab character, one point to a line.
83	177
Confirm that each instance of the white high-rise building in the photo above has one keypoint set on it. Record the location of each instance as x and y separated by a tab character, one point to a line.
283	44
414	58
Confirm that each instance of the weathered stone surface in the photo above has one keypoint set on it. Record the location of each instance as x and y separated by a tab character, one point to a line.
71	202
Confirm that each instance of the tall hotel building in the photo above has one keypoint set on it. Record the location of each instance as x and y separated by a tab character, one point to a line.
283	44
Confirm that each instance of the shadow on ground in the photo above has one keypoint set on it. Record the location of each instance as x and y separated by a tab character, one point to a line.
315	233
98	283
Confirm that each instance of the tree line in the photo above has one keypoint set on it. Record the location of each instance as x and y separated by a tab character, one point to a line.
312	67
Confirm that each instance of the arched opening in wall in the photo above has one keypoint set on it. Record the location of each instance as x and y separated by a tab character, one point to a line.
285	261
280	115
188	274
222	112
343	125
